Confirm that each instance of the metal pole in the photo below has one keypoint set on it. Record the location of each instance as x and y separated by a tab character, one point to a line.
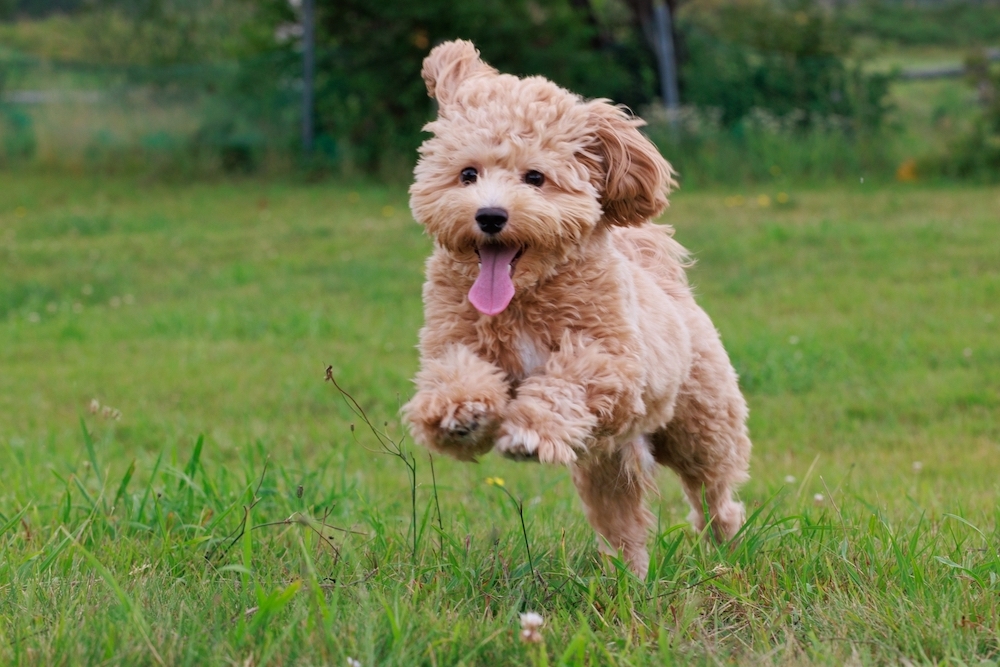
308	74
668	61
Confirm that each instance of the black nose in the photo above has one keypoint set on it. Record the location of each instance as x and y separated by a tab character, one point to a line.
491	220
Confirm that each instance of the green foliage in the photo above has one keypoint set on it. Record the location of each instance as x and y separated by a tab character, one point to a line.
371	101
176	88
133	33
16	128
786	58
961	23
768	150
975	153
10	9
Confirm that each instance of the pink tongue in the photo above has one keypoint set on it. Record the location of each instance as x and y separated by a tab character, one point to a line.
493	289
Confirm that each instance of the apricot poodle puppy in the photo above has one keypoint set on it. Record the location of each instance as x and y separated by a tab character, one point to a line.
559	323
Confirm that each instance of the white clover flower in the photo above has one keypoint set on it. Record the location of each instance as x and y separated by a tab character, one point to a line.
531	622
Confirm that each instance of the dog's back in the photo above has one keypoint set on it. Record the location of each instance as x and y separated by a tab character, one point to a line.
654	249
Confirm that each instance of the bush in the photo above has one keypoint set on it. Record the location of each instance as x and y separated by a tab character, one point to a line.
976	152
371	101
953	22
786	58
765	148
16	128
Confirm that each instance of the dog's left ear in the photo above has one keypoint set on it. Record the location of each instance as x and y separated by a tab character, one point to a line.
629	172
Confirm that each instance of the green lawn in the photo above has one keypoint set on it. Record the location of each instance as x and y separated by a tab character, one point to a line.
864	323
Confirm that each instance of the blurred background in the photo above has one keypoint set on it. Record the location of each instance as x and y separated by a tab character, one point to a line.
735	91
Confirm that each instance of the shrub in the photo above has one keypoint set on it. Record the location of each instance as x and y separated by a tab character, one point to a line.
976	152
952	22
784	57
371	101
16	128
765	148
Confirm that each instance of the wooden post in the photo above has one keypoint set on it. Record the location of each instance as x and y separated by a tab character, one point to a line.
667	60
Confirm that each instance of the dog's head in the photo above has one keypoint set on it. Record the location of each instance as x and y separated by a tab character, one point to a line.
520	173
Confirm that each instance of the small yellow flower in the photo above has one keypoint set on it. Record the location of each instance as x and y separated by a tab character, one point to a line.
907	171
495	481
782	198
763	200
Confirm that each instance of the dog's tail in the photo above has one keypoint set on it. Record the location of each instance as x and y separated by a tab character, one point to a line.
654	249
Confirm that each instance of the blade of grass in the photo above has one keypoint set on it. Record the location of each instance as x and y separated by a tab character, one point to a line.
91	453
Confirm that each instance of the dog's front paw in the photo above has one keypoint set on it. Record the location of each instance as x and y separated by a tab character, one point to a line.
465	420
463	429
526	434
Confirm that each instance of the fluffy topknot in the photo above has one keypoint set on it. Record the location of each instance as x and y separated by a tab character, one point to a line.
448	65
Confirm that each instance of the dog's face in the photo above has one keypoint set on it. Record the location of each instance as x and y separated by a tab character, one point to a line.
519	173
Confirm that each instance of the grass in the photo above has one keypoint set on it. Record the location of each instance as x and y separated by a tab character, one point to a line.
238	512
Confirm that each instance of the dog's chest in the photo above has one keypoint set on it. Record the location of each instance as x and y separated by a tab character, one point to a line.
530	354
520	356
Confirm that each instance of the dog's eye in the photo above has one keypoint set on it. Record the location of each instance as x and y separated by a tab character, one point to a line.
534	178
468	175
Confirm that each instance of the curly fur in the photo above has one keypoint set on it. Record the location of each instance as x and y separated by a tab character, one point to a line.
602	360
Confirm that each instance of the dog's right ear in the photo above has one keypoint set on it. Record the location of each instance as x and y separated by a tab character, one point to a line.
448	65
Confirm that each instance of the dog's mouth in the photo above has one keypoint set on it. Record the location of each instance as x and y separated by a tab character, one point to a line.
494	288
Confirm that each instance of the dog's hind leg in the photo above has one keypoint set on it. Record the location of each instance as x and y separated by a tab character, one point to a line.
707	485
612	487
707	443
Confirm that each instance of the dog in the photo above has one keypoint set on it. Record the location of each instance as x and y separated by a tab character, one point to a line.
559	324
